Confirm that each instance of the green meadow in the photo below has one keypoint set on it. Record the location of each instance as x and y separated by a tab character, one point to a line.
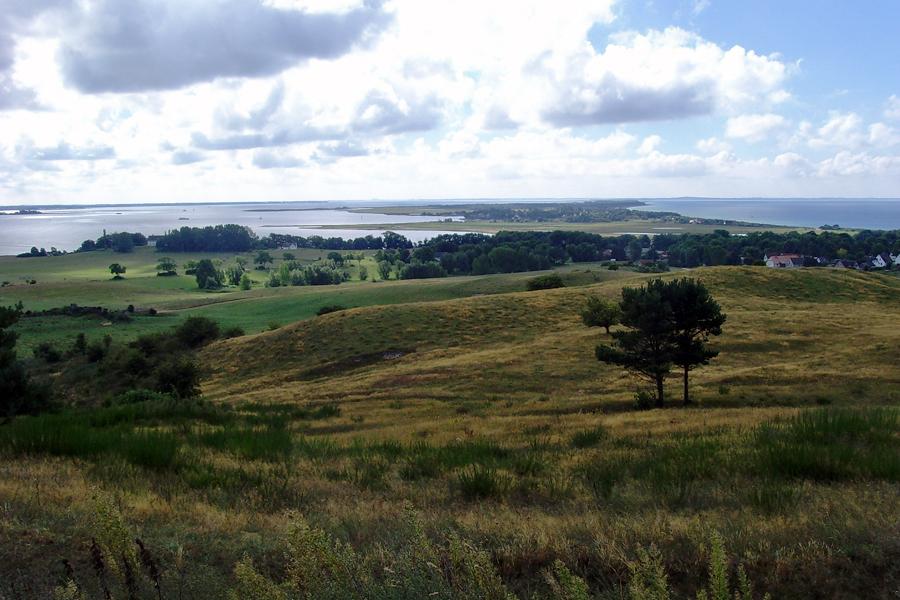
84	279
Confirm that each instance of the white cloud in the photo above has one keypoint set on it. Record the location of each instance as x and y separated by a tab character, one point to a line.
448	99
892	110
713	145
650	143
659	75
754	128
883	136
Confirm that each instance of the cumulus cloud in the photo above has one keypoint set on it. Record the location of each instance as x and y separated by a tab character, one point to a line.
144	45
847	163
848	131
659	75
754	128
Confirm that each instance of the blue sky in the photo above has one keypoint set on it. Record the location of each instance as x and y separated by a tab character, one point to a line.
199	100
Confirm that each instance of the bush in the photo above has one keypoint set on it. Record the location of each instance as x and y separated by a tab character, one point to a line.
330	308
141	395
232	332
95	352
47	352
178	376
196	331
545	282
644	400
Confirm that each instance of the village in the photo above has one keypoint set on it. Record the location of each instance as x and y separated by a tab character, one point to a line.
792	261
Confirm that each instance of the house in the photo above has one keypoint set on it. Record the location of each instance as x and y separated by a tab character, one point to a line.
881	261
842	263
896	259
784	261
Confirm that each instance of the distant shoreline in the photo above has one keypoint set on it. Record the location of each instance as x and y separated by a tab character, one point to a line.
452	201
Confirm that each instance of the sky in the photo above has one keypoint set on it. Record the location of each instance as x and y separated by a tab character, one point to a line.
272	100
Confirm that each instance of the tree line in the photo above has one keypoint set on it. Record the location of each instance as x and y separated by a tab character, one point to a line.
506	252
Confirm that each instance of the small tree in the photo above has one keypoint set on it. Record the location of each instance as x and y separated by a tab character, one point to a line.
208	277
695	317
363	273
166	266
116	269
233	274
262	260
17	392
246	284
384	269
646	347
336	258
601	313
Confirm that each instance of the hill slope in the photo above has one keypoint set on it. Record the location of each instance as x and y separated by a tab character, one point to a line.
791	337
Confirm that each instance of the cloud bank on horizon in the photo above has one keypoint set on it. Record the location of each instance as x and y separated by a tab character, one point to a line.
165	100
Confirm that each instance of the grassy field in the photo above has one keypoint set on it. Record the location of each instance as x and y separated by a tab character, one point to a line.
84	279
477	439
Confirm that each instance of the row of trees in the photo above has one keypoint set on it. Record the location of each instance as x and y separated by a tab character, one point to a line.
668	324
117	242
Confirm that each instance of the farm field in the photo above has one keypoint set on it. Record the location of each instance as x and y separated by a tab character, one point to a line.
479	434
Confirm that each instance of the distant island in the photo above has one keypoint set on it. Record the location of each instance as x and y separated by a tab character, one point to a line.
23	211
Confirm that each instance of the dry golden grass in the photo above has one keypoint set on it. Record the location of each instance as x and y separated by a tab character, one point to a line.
517	372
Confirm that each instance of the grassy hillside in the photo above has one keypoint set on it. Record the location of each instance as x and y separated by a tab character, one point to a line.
84	279
489	417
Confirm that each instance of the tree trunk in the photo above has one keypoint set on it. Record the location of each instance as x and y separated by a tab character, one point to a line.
607	329
659	391
687	398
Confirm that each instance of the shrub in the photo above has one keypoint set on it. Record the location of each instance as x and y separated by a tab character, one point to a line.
95	352
47	352
644	400
545	282
196	331
178	376
330	308
141	395
232	332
